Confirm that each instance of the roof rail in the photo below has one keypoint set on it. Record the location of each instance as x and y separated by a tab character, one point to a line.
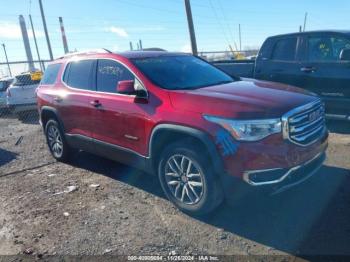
93	51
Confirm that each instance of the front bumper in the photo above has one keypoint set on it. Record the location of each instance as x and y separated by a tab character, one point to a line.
288	178
235	188
271	166
280	175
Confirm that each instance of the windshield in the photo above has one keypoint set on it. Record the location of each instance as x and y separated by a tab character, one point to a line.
181	72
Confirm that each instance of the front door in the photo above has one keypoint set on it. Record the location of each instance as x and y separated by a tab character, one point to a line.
119	122
325	74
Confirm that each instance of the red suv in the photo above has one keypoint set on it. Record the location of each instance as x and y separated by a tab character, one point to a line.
203	132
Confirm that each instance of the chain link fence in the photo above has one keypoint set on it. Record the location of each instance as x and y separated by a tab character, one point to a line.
22	145
229	55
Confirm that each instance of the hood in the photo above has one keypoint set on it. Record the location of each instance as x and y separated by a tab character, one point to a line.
244	99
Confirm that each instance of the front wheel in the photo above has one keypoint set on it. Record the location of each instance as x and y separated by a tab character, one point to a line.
188	180
56	141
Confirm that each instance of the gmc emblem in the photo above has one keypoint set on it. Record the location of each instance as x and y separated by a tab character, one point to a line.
315	115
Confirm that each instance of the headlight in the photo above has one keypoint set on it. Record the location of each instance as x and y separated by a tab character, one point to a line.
248	130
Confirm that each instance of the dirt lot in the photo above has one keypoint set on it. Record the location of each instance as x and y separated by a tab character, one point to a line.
94	206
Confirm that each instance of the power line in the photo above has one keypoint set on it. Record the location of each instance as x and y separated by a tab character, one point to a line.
219	22
227	23
36	44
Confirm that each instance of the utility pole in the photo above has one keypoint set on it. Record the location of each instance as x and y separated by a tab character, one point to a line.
64	37
36	44
240	37
140	43
191	27
7	60
45	29
305	19
26	43
300	29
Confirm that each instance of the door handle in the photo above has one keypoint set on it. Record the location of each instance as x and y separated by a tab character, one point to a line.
58	99
95	103
308	69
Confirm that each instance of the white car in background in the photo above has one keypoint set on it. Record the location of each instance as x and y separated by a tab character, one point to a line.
4	84
21	95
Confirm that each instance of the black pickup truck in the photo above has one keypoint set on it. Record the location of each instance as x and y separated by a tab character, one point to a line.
317	61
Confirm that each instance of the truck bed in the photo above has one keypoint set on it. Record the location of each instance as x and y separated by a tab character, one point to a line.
242	68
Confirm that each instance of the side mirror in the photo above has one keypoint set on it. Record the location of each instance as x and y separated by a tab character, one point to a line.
126	87
345	54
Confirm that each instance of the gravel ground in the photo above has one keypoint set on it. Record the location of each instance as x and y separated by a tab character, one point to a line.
94	206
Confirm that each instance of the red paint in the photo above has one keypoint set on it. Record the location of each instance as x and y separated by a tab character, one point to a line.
122	114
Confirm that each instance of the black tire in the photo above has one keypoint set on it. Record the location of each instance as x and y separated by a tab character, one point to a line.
211	195
63	155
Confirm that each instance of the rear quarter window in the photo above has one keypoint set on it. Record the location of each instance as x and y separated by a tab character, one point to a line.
50	74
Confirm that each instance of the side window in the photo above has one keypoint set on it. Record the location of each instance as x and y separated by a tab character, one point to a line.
265	50
326	48
78	74
109	73
285	49
339	44
50	74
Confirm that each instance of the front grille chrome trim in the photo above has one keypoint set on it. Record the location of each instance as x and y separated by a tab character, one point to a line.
303	137
292	124
302	128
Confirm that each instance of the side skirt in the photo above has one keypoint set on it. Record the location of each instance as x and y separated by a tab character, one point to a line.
110	151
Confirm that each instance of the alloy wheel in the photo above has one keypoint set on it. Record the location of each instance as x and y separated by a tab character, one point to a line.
184	179
55	141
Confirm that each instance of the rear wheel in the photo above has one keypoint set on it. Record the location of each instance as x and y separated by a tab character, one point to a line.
188	179
56	141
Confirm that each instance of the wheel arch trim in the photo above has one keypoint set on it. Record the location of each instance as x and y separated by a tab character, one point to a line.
193	132
55	112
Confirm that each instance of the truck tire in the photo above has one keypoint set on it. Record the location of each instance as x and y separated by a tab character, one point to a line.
188	180
56	141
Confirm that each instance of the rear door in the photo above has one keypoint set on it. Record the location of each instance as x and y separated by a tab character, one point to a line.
325	74
280	62
74	102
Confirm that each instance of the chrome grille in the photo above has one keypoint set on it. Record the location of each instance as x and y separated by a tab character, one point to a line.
306	124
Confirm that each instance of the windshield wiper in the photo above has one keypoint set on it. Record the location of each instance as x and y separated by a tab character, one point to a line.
223	82
203	86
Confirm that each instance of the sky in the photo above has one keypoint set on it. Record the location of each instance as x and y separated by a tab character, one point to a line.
112	24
